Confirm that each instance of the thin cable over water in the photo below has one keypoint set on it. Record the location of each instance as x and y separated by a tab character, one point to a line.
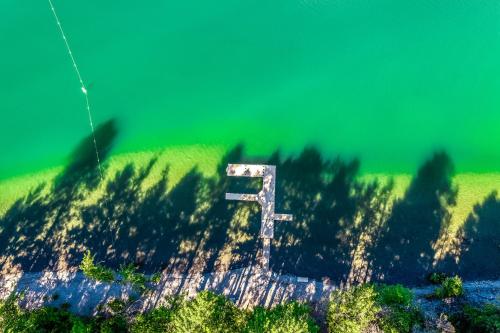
82	86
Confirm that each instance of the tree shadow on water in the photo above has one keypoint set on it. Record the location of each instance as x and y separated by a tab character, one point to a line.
404	251
31	228
344	229
179	229
83	168
332	208
480	257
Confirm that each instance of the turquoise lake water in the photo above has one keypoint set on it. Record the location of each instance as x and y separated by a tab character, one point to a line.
386	81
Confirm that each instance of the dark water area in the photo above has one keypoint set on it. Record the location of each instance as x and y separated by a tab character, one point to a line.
344	228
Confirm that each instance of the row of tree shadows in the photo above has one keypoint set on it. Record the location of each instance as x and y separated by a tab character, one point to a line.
344	228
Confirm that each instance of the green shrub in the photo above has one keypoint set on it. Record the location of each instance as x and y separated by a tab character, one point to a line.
11	315
398	314
400	319
46	319
114	324
79	326
451	287
155	278
208	313
158	320
352	310
130	275
485	319
437	278
394	295
292	317
95	271
116	306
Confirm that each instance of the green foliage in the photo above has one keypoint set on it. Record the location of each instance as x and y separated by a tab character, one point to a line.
156	321
95	271
451	287
400	319
292	317
485	319
80	327
116	306
50	319
10	315
114	324
352	310
155	278
46	319
437	278
100	324
398	315
208	313
130	275
394	295
388	306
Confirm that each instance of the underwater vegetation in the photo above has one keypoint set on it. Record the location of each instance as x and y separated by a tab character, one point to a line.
346	228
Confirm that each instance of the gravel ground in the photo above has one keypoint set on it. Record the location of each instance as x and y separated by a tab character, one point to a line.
246	287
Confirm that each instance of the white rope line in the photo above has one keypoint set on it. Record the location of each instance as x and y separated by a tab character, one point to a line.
82	85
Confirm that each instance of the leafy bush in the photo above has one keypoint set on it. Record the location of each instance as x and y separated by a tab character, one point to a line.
10	315
485	319
208	313
451	287
116	306
155	278
437	278
394	295
400	320
130	275
113	324
158	320
352	310
46	319
292	317
398	315
95	271
79	326
50	319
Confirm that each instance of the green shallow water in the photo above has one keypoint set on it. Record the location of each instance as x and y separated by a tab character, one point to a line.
386	81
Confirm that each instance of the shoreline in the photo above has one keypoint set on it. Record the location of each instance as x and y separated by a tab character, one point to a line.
246	287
